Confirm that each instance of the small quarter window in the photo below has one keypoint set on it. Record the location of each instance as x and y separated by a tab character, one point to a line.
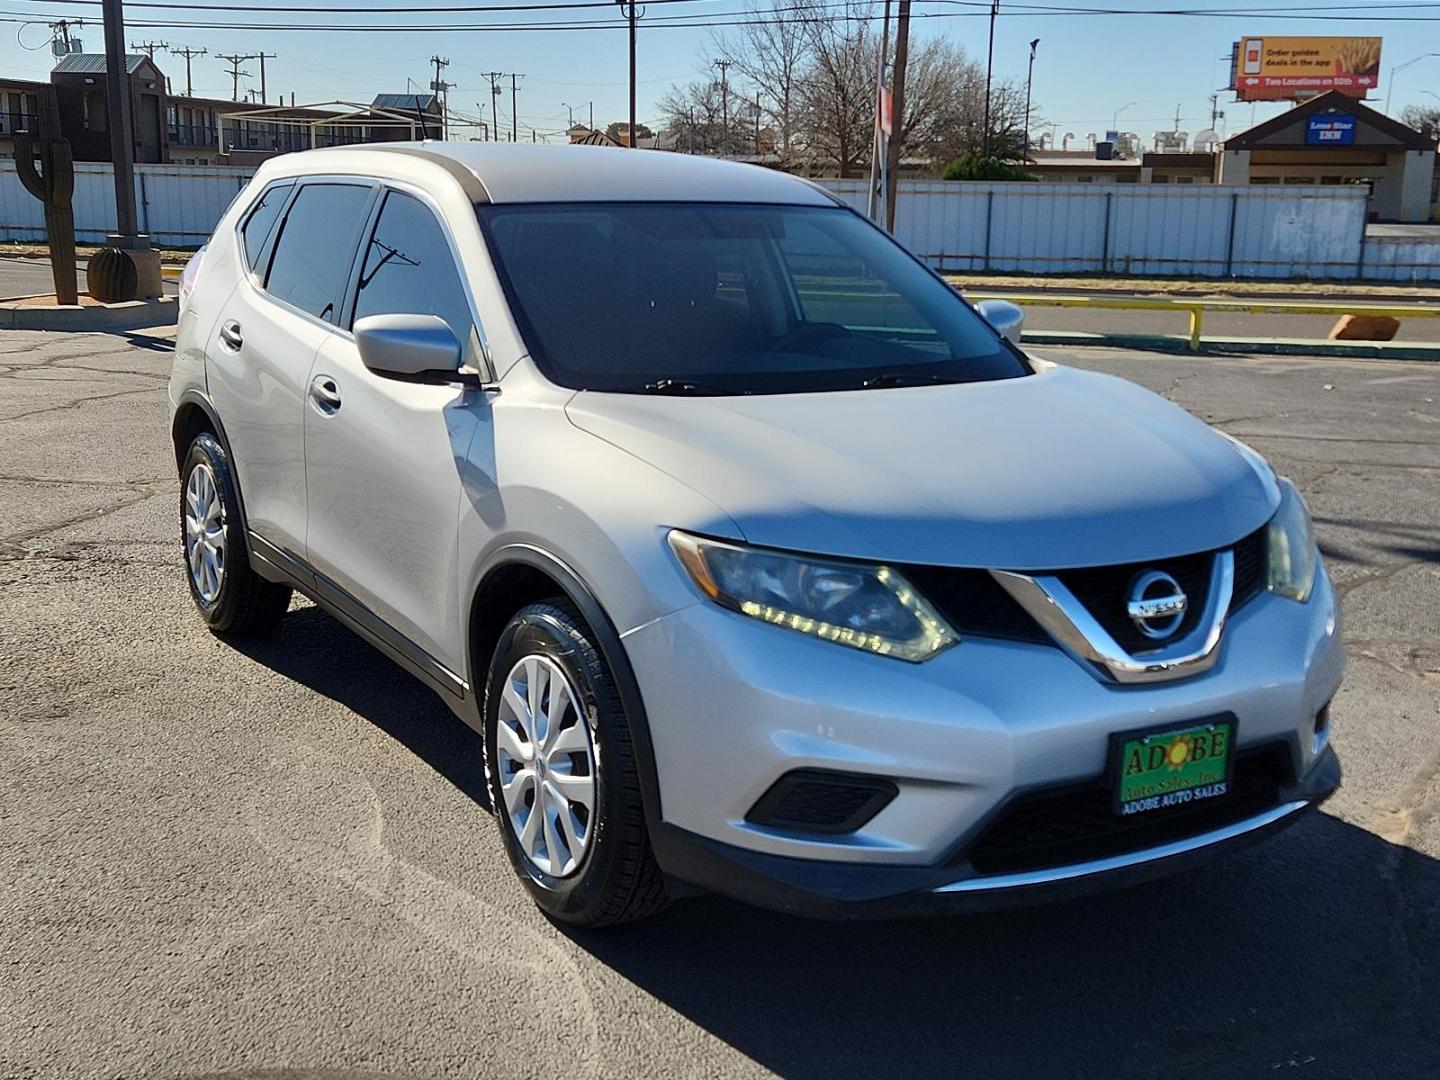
316	247
262	219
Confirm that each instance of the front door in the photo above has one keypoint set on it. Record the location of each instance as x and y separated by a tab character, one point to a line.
383	454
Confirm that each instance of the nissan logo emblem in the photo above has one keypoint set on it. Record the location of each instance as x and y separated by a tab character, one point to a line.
1156	605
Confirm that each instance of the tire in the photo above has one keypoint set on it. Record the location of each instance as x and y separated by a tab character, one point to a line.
614	878
230	596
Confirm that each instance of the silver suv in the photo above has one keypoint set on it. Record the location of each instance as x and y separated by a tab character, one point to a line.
762	562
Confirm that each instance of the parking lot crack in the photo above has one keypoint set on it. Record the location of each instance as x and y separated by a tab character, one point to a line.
75	404
142	492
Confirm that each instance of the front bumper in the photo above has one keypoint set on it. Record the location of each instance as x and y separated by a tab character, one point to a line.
846	891
734	705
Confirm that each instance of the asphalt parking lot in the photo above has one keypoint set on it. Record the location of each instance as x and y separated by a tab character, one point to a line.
270	859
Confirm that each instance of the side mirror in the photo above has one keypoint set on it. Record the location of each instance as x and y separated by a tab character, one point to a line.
1004	316
406	344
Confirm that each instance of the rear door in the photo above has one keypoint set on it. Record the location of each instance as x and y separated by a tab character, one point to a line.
383	454
299	244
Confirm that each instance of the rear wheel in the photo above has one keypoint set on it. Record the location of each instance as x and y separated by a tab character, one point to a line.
562	773
230	596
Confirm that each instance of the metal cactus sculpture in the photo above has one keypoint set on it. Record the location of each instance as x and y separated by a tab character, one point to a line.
53	183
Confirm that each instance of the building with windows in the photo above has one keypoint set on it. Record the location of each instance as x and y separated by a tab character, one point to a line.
1335	139
18	106
180	130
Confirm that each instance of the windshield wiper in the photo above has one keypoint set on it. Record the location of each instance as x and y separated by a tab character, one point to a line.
890	379
681	387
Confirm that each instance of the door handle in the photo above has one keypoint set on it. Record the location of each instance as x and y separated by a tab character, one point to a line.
325	393
230	334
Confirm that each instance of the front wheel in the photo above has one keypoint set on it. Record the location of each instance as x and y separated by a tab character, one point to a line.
562	776
230	596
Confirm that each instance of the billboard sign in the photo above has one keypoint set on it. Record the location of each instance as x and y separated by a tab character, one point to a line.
1281	68
1330	129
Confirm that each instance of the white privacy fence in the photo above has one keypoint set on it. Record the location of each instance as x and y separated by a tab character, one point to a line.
1190	230
1198	230
1193	230
178	205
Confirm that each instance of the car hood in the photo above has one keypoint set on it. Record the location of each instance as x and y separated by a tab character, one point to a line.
1058	469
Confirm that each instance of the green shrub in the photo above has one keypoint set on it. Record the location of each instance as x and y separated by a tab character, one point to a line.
978	167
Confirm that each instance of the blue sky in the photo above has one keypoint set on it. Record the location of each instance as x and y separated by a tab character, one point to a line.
1088	66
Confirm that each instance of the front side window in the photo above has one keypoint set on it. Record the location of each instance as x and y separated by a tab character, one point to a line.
731	299
409	270
316	247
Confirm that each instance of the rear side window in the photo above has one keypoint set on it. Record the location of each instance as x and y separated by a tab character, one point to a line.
316	247
409	269
262	219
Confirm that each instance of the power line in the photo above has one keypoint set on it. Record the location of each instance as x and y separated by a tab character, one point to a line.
1295	10
716	19
149	47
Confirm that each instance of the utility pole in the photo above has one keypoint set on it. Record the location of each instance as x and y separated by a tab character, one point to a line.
262	57
724	66
1029	77
757	123
122	139
897	113
149	47
514	112
442	91
989	68
495	77
234	60
188	53
126	242
632	15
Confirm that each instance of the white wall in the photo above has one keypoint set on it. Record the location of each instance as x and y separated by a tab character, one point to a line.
1201	230
177	204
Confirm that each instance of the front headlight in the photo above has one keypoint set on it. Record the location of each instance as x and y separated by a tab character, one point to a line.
872	608
1290	546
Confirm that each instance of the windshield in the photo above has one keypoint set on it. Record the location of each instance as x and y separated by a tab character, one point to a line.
731	299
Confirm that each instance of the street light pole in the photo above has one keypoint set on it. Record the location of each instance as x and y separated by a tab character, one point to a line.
1395	70
1115	119
1029	77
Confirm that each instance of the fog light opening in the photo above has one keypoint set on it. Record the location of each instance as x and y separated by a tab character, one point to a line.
1322	729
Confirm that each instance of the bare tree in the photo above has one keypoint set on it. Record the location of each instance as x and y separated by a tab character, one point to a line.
1423	118
837	92
770	51
813	66
693	116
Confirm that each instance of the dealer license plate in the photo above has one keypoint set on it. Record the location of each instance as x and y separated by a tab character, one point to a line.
1174	766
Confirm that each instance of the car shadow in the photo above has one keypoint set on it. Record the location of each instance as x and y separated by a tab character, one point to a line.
316	651
1316	949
